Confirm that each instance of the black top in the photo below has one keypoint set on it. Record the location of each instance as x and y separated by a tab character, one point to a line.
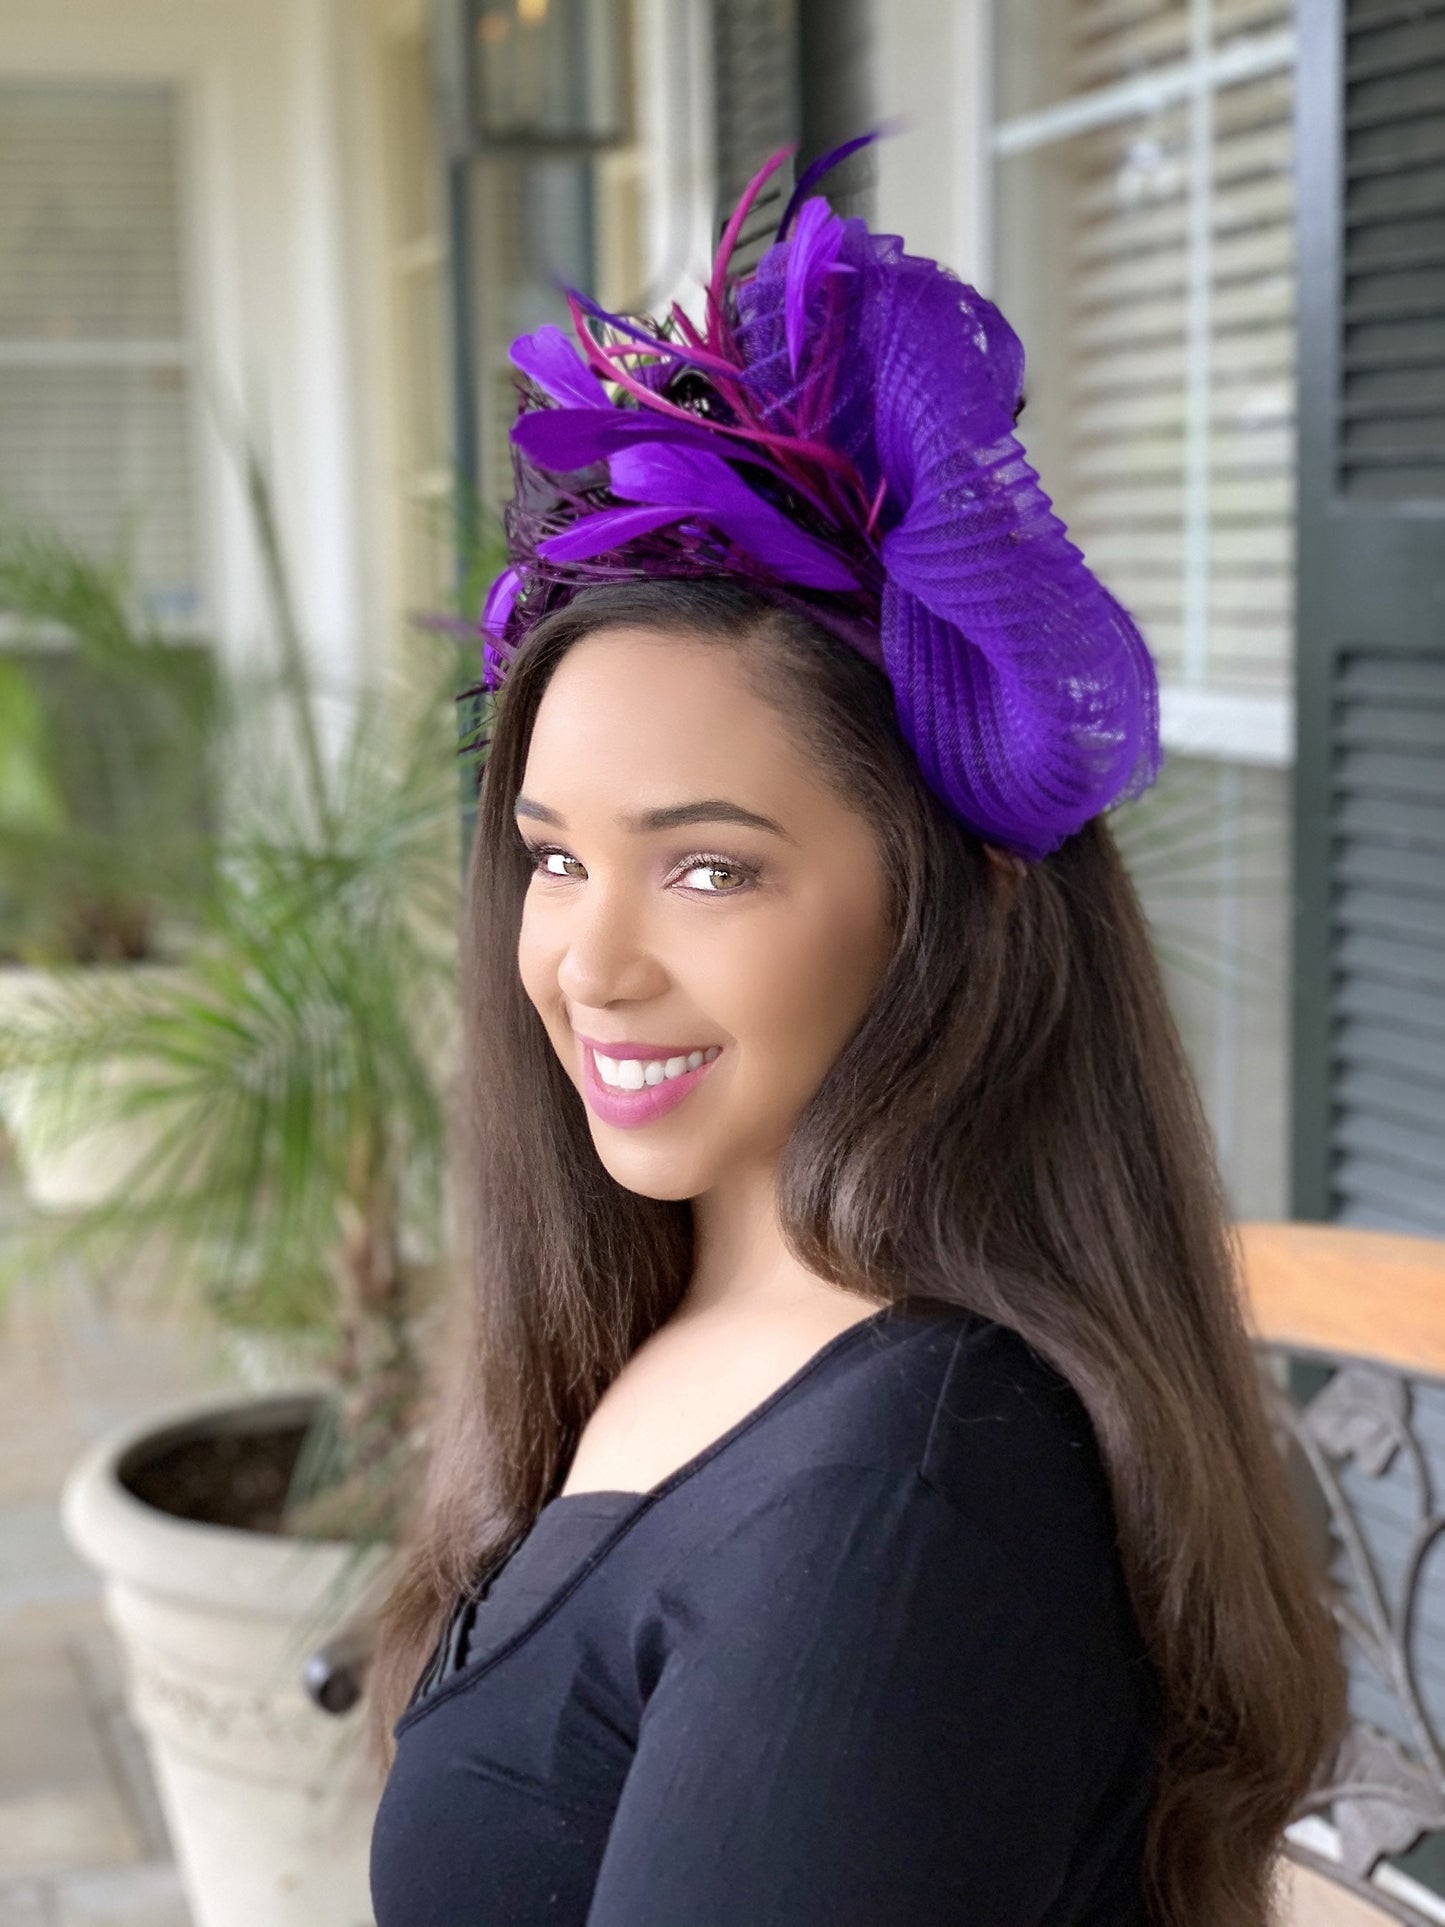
865	1661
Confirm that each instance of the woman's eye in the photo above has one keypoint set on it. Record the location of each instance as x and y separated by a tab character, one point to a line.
727	878
716	867
540	859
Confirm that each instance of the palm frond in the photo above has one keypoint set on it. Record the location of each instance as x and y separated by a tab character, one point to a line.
282	1089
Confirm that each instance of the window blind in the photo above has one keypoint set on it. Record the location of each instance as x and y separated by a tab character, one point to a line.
1144	249
95	361
1150	262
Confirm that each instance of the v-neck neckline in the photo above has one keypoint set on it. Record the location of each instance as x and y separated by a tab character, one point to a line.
828	1349
633	1506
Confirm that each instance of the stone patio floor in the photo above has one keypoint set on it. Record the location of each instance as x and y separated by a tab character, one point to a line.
82	1838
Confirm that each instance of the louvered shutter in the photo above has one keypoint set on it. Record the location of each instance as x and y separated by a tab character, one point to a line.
790	71
838	96
1370	782
756	106
96	404
1369	1027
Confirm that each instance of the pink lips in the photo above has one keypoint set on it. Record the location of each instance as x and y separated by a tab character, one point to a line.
631	1108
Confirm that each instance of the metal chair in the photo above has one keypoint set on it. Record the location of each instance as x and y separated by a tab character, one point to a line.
1349	1330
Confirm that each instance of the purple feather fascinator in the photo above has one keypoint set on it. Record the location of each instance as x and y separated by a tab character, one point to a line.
840	434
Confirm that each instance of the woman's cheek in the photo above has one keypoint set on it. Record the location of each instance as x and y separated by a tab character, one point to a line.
537	967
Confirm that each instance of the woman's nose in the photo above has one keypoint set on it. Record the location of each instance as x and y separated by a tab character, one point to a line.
607	957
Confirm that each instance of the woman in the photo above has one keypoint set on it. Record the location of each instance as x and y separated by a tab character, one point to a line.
854	1503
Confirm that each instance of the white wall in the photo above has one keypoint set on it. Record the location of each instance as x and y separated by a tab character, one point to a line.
282	290
932	169
672	61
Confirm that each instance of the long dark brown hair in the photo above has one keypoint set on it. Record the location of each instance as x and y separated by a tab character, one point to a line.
1013	1128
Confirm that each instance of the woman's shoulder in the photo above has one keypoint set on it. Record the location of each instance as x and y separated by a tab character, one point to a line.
925	1418
1007	1424
931	1470
964	1409
984	1418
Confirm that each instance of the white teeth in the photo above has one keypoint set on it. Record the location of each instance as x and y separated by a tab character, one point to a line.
631	1073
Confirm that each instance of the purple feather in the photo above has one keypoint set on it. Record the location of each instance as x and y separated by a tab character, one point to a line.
500	597
812	251
608	529
702	485
814	173
550	359
563	440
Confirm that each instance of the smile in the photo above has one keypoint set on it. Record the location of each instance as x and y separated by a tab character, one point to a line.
632	1091
631	1073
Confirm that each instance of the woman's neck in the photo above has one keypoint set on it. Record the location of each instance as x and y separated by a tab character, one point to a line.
741	1263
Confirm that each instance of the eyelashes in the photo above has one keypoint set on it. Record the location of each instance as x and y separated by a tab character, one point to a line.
747	873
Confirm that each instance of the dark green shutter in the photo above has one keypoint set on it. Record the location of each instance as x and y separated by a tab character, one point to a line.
756	109
1369	1042
789	71
1369	792
838	98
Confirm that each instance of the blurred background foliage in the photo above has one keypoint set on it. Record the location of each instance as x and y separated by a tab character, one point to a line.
281	1080
105	794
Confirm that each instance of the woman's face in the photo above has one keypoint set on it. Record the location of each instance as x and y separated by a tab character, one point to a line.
697	889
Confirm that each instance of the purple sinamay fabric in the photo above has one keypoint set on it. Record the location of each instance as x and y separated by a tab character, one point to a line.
840	434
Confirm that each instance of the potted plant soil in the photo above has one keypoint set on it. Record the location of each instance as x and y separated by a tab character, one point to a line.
288	1079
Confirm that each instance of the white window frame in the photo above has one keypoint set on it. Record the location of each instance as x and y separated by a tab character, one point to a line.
1195	720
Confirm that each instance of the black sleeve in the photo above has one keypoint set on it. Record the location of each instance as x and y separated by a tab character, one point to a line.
862	1721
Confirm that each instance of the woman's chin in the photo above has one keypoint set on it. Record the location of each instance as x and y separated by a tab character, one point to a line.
663	1175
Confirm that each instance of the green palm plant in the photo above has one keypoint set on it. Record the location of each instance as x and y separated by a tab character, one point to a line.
30	799
288	1077
104	725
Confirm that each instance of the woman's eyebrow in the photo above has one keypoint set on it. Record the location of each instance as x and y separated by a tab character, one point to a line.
713	809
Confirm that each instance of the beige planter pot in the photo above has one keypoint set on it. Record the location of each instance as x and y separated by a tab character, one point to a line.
74	1171
269	1801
